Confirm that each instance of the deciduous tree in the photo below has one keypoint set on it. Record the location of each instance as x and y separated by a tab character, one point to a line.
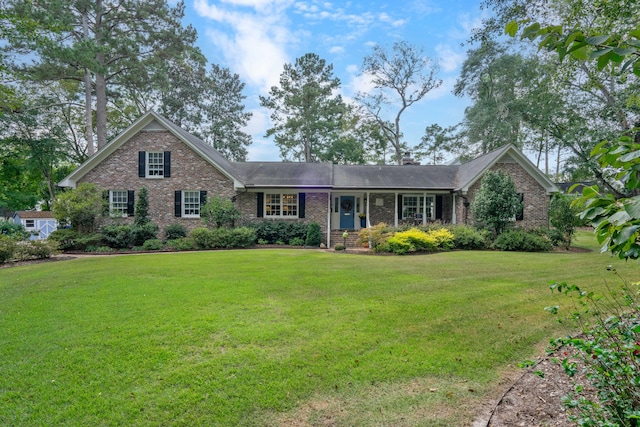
401	78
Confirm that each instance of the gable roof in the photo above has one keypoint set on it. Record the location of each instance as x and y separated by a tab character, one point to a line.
455	177
33	214
470	172
147	120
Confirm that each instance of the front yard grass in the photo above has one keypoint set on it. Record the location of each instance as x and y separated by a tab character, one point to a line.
276	337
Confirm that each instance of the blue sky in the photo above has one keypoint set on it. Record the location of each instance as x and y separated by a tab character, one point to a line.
255	38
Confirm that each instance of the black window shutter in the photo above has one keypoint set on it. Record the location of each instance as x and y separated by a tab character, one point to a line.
142	164
105	202
167	164
438	207
399	207
130	203
178	204
520	215
260	212
301	204
203	197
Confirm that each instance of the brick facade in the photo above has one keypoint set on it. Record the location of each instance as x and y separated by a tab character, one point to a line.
536	199
189	171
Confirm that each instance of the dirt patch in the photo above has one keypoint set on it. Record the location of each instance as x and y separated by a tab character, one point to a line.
10	264
534	399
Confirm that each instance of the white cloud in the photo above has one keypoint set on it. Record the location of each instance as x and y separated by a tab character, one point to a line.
443	90
337	50
256	48
448	59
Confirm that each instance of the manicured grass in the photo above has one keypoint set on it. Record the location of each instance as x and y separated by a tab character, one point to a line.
275	337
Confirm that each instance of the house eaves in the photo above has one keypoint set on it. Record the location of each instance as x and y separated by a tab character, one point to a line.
470	172
200	147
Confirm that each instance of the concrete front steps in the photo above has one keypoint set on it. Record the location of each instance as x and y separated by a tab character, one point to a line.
336	237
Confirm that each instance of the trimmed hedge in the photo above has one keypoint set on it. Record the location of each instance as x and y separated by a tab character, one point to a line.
223	238
521	240
273	232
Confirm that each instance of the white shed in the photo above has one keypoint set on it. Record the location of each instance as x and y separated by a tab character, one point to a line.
39	223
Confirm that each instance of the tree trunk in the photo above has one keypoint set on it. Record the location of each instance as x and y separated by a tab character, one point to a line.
88	116
101	110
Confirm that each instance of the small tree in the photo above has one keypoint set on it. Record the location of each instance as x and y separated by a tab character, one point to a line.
314	235
219	211
142	208
79	208
564	217
497	203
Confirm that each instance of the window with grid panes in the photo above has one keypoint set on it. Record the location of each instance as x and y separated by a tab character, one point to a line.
414	203
281	205
155	164
118	202
191	204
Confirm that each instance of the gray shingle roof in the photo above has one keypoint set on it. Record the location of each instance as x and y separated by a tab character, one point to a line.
391	177
278	174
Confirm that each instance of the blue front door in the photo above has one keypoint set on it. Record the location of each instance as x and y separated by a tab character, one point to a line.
347	206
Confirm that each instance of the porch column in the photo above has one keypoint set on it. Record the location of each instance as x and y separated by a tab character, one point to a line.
395	211
424	208
455	206
328	219
368	223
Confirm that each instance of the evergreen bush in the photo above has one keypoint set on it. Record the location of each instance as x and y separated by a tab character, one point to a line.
314	235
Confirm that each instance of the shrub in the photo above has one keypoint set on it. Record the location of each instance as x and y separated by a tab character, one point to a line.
339	247
520	240
182	244
142	233
152	245
175	231
411	240
496	202
296	241
241	237
38	249
609	350
219	211
13	230
80	208
564	217
314	235
469	238
444	238
141	214
273	231
69	239
117	236
7	248
376	236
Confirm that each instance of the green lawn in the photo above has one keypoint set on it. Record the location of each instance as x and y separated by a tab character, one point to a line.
276	337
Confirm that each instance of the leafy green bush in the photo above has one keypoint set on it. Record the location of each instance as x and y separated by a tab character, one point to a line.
13	230
241	237
7	248
219	212
80	208
414	240
38	249
521	240
117	236
468	238
144	232
182	244
339	247
376	236
69	239
152	245
314	235
564	217
284	231
296	241
175	231
609	349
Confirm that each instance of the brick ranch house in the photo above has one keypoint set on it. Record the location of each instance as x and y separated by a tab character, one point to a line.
180	171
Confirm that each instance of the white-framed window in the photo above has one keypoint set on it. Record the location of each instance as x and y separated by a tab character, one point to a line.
191	204
118	202
155	164
281	205
29	223
413	204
